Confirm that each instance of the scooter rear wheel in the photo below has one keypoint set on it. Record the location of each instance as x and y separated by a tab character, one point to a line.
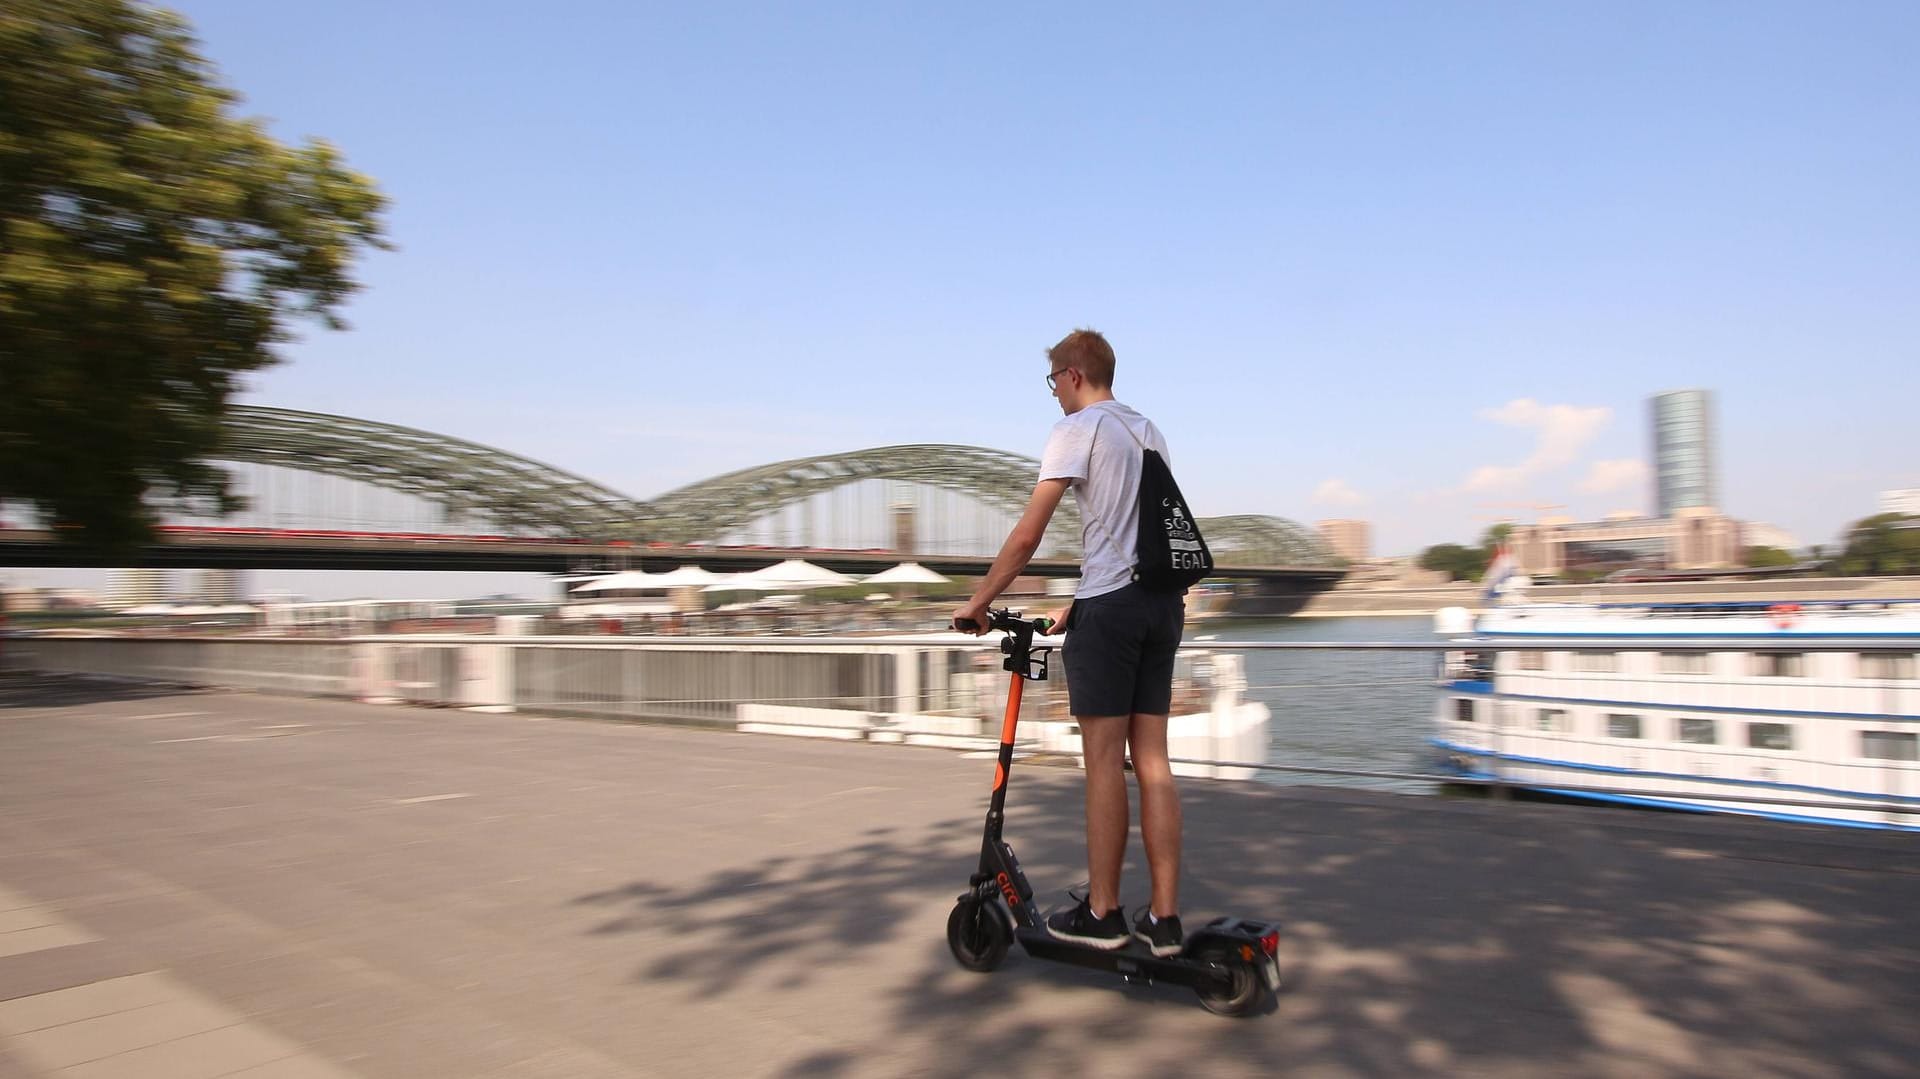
978	933
1246	991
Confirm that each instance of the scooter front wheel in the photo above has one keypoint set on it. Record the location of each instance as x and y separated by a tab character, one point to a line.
978	933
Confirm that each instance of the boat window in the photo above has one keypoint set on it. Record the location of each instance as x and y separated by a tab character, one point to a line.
1622	725
1702	732
1890	745
1463	710
1532	661
1551	719
1595	661
1887	665
1683	663
1780	664
1769	736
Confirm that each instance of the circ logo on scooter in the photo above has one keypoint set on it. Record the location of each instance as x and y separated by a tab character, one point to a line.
1007	889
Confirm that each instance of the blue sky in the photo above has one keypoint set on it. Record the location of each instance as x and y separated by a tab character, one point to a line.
1383	260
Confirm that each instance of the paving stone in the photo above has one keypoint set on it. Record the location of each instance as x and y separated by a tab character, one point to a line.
40	938
24	1014
200	1056
33	973
300	1067
120	1032
25	918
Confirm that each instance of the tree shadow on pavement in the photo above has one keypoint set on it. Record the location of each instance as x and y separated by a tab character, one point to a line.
1421	936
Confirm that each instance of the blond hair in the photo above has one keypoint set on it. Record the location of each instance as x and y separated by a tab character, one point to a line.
1087	351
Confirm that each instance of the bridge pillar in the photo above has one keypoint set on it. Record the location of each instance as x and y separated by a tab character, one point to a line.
1272	598
904	524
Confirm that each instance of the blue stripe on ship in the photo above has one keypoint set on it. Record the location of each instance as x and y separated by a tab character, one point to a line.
1616	770
1765	635
1690	807
1718	709
1793	818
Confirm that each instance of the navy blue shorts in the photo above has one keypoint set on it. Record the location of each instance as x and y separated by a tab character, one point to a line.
1119	652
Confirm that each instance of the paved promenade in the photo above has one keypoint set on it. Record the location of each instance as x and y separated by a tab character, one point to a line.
204	884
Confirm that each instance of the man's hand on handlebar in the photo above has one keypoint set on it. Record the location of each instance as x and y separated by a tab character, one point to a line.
972	618
980	622
1059	619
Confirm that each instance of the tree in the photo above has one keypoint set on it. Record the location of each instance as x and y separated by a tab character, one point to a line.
1767	557
153	249
1459	563
1494	536
1884	544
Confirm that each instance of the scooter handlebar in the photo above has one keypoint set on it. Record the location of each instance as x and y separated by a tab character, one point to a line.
1006	621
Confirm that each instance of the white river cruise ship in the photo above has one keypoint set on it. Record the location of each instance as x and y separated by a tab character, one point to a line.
1804	712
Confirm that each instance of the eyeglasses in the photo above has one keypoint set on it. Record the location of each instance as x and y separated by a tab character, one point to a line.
1053	378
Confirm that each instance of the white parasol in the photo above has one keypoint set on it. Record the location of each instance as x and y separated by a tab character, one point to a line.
791	574
908	573
690	575
626	580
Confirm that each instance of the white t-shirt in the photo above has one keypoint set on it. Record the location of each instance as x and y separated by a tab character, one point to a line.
1105	472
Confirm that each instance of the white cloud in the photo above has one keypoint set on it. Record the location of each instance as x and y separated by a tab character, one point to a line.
1615	475
1336	492
1560	432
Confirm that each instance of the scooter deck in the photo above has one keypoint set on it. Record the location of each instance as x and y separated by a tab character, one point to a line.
1132	961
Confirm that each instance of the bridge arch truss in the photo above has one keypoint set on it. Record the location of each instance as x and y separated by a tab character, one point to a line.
520	495
526	497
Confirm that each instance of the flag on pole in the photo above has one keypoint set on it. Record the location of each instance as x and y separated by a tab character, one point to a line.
1499	571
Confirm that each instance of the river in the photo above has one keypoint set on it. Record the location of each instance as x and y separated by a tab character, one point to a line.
1369	711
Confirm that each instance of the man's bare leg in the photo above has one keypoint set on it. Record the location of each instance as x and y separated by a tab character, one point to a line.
1159	809
1104	741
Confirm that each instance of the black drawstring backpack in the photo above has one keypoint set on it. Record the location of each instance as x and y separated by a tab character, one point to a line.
1170	555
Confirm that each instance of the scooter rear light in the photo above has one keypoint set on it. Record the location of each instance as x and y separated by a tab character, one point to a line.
1270	942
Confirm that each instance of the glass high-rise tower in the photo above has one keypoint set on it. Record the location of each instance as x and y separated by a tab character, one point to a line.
1685	468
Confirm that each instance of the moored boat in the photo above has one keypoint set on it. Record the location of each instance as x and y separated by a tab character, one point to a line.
1796	711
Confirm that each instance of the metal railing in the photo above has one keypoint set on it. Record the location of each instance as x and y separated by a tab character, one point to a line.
1352	713
316	668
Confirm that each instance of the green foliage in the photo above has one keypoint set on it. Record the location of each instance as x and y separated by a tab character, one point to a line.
1767	557
1493	537
153	247
1459	563
1886	544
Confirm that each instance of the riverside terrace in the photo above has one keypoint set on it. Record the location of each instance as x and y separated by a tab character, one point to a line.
214	883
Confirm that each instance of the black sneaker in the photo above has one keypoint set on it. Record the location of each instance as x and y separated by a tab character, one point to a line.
1078	924
1162	937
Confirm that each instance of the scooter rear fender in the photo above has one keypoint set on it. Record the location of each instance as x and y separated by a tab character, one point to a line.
1233	933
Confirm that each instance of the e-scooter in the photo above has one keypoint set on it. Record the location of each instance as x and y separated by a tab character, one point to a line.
1230	962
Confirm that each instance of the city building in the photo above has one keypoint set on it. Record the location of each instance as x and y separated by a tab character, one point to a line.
20	599
1685	466
1757	534
1390	573
220	586
138	587
1691	538
1905	501
1351	540
71	599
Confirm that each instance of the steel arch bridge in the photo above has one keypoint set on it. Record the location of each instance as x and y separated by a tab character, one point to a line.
718	506
466	478
528	497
